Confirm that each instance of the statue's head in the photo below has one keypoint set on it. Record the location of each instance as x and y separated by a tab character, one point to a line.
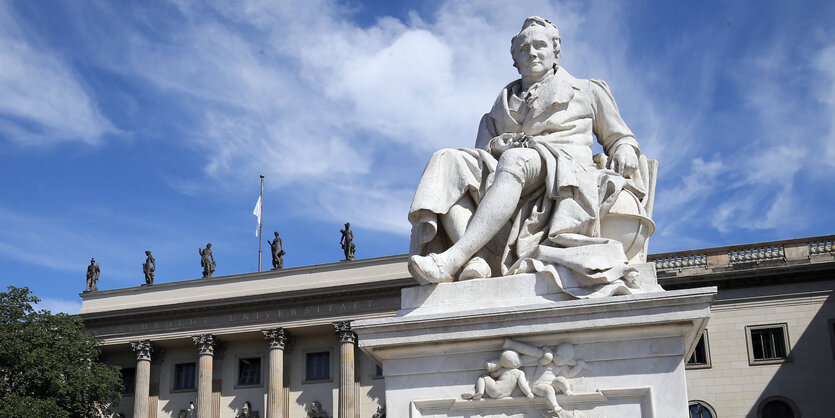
347	224
148	252
316	407
509	359
92	261
564	354
209	245
246	409
276	234
536	48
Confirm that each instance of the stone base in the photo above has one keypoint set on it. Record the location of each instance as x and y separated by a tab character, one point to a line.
635	346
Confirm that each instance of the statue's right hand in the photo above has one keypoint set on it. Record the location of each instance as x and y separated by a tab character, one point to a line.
504	142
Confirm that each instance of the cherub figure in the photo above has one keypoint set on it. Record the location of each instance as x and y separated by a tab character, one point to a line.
504	377
553	370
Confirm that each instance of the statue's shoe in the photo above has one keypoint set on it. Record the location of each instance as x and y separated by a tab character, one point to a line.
429	268
476	268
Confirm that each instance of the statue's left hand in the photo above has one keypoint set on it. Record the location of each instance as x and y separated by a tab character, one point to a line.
625	160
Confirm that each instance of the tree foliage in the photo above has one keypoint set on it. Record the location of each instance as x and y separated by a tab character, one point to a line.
49	363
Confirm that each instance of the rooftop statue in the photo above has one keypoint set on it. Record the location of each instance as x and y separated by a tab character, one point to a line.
277	250
148	267
347	242
207	260
93	275
529	198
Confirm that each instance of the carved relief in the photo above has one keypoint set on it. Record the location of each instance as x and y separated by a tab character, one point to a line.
344	332
209	344
555	366
277	338
142	349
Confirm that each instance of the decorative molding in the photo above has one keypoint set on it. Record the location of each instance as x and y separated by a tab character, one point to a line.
757	255
209	344
821	248
143	349
277	338
344	332
682	262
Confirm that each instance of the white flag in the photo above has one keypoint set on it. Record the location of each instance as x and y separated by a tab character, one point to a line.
257	213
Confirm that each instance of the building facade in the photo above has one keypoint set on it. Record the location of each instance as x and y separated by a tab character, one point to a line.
281	341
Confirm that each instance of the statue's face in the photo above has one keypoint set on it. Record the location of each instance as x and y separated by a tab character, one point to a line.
533	52
245	410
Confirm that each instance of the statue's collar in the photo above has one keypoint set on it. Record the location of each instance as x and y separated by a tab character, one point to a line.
555	89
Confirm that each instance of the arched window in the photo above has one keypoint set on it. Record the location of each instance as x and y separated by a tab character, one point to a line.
701	409
778	407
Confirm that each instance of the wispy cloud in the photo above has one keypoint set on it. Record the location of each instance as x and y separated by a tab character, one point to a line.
308	97
42	100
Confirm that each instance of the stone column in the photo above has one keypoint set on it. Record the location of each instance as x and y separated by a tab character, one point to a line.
347	343
277	340
142	349
206	345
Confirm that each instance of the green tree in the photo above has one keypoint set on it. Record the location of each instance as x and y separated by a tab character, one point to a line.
49	363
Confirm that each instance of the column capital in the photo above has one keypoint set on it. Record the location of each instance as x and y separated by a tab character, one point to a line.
278	338
143	349
208	344
344	332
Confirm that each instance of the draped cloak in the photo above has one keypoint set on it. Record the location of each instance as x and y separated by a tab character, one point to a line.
554	230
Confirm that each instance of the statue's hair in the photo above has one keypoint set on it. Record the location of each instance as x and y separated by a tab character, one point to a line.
553	33
512	357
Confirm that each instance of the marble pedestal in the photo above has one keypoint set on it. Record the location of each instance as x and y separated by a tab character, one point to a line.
435	349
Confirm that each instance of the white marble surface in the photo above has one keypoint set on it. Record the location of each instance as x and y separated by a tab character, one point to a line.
636	345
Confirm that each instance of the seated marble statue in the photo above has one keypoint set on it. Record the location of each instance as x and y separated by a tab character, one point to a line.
529	197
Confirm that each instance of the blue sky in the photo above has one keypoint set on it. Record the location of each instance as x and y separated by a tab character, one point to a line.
127	126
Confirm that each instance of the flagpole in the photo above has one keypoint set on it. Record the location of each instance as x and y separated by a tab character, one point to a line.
261	199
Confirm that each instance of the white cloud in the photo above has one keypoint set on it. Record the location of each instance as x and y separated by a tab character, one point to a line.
305	95
42	101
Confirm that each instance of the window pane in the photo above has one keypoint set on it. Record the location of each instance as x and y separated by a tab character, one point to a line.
768	344
184	376
249	371
699	411
699	355
128	380
318	366
777	409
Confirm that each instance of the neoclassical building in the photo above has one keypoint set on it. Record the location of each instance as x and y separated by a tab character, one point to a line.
281	341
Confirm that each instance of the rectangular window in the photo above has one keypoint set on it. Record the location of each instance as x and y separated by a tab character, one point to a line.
128	380
767	344
184	376
700	359
318	366
378	372
249	371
